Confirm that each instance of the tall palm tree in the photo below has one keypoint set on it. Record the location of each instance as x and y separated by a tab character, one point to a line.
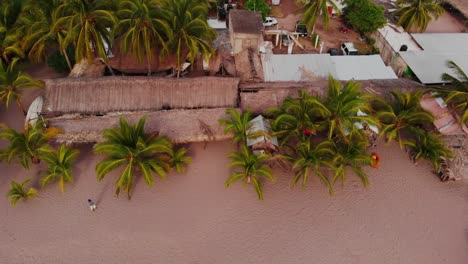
343	104
26	146
459	95
403	113
42	32
10	12
428	146
297	118
143	27
19	192
13	81
351	155
416	14
138	152
89	25
60	163
309	158
249	168
315	8
190	30
237	123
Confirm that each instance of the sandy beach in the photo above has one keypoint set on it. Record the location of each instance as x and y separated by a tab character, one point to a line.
406	216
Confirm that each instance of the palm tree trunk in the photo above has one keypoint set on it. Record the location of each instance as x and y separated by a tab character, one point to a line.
148	63
178	59
20	106
66	58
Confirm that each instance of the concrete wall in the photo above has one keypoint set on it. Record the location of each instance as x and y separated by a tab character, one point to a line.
243	41
390	56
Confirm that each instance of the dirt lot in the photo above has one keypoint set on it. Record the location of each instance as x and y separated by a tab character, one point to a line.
332	37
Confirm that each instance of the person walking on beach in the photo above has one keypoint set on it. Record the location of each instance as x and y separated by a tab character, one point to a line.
92	205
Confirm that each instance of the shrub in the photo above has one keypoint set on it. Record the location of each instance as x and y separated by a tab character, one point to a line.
259	6
364	16
57	61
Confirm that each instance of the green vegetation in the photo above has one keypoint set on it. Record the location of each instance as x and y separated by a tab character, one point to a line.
416	14
59	164
19	192
236	123
259	6
12	82
138	152
364	16
313	10
458	95
249	167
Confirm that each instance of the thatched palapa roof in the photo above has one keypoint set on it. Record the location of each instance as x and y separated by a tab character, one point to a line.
181	126
245	21
113	94
461	5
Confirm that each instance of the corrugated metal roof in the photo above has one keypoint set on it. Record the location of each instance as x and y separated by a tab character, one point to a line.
259	124
430	63
303	67
370	67
396	36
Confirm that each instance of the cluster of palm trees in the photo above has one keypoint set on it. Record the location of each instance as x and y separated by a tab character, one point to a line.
127	147
321	136
34	28
412	14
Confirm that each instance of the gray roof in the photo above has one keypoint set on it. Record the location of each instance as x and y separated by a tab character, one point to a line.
260	124
244	21
430	63
302	67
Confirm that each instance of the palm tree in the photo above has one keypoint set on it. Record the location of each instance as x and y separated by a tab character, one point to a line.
458	96
42	32
428	146
313	158
59	164
237	123
352	155
190	30
343	105
143	27
403	113
416	14
89	25
130	147
297	118
13	81
20	192
179	159
249	168
25	146
10	12
315	8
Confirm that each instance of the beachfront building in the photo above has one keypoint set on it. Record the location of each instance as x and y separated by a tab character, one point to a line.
245	28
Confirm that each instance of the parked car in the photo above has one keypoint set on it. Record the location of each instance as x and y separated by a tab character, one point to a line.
286	40
301	29
348	49
333	51
269	21
275	2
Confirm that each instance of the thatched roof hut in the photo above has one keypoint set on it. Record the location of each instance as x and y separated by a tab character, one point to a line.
112	94
259	136
181	126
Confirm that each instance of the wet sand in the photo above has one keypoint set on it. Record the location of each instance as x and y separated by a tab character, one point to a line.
406	216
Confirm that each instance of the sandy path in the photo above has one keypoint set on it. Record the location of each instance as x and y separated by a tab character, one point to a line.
406	216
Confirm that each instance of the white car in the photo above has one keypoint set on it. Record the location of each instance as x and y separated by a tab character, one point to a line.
276	2
269	21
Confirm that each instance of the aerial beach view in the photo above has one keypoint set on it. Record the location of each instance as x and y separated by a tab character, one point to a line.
168	140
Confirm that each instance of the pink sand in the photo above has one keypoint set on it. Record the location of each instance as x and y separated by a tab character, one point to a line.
406	216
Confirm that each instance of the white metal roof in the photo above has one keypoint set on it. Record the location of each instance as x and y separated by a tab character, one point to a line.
430	63
396	36
303	67
260	124
370	67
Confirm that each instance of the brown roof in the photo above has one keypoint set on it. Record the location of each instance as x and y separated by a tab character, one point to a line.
181	126
244	21
461	5
112	94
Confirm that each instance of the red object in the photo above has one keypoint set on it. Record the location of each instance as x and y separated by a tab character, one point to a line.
375	160
330	10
